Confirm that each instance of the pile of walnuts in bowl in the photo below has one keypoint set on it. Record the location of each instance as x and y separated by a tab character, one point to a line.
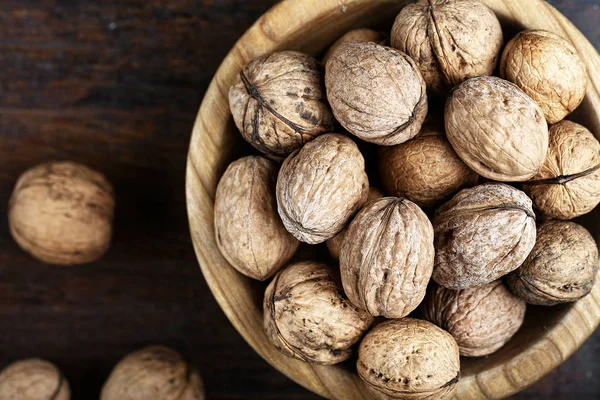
451	234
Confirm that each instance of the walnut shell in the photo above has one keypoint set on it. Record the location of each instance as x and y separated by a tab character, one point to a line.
496	129
547	68
307	315
335	243
248	229
568	185
481	319
425	170
386	258
154	372
561	268
356	35
377	93
482	234
62	213
409	359
320	187
450	40
278	102
33	379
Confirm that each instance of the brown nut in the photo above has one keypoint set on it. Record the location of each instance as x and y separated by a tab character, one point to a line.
357	35
278	102
482	234
248	229
307	315
481	319
386	258
450	40
561	268
496	129
547	68
320	187
154	372
376	92
425	170
33	379
409	359
62	213
568	185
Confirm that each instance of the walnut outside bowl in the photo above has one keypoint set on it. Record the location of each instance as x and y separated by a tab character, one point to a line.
549	335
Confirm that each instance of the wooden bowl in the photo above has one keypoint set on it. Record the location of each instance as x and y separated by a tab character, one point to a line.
549	335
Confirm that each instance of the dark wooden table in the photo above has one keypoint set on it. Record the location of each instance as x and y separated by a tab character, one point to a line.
116	85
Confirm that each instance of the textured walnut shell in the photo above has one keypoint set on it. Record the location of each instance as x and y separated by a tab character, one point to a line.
335	243
61	213
386	258
481	319
278	102
450	40
409	359
248	229
357	35
320	187
425	170
561	268
377	93
33	379
547	68
568	185
154	372
482	234
307	315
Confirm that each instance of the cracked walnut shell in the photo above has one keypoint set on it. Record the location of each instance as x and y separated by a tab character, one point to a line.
409	359
62	213
357	35
320	187
307	315
481	319
154	372
568	185
278	102
547	68
482	234
33	379
561	268
450	40
377	93
248	230
386	258
496	129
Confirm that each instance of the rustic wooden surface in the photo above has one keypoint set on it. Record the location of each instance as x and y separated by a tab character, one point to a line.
117	84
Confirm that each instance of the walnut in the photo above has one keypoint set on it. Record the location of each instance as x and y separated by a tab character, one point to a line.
278	102
154	372
561	268
568	185
481	319
450	40
307	315
248	229
335	243
33	379
496	129
357	35
386	258
425	170
547	68
61	213
377	93
482	234
320	187
409	359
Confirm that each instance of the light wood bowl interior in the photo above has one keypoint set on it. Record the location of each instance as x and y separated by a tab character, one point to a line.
549	335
